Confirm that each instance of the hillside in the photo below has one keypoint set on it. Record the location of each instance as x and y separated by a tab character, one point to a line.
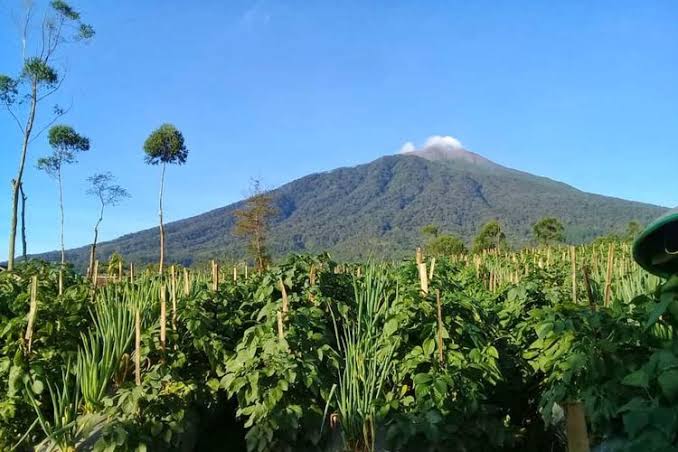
377	209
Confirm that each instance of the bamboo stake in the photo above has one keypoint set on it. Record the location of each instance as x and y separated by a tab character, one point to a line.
173	294
32	311
423	279
131	272
577	436
418	256
163	317
120	270
235	273
215	276
245	271
430	271
440	327
573	258
61	281
137	348
187	283
608	277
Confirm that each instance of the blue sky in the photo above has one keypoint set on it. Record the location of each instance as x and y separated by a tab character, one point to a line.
582	92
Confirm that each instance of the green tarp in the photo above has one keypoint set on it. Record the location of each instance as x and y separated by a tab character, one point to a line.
656	249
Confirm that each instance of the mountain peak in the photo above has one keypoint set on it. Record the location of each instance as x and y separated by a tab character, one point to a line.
440	147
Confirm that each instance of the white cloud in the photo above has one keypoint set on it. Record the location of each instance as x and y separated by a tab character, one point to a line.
445	142
440	141
407	147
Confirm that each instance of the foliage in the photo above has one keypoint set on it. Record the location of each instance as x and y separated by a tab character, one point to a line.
315	355
252	223
549	231
165	145
490	237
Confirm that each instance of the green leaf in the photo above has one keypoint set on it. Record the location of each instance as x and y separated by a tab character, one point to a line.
391	327
37	387
638	379
668	382
657	311
429	346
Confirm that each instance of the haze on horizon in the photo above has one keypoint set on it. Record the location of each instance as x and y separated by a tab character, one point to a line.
581	93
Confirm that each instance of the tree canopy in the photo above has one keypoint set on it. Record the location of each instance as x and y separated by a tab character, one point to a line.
549	230
165	145
66	143
490	237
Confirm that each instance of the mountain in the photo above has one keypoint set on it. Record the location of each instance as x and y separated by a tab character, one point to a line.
378	209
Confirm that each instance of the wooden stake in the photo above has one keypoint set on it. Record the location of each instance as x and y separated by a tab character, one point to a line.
187	283
131	273
120	270
430	271
173	295
163	317
235	273
418	256
423	279
61	281
441	356
577	436
215	276
137	348
32	311
245	271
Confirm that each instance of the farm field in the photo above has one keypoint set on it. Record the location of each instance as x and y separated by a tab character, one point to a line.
499	351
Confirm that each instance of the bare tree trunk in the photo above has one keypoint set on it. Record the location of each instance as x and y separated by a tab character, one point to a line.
16	184
162	227
24	246
61	210
93	250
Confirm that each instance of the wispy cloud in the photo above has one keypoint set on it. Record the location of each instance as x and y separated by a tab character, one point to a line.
256	14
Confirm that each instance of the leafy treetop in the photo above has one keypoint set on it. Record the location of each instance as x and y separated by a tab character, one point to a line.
165	145
65	143
490	237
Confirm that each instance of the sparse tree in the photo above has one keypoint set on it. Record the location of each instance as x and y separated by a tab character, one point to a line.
66	143
108	193
490	237
38	79
251	222
164	145
549	231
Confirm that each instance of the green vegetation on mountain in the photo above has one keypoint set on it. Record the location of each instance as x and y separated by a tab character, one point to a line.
378	210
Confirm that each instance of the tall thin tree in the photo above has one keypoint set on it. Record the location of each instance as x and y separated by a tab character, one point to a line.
252	221
66	143
164	145
108	193
37	80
